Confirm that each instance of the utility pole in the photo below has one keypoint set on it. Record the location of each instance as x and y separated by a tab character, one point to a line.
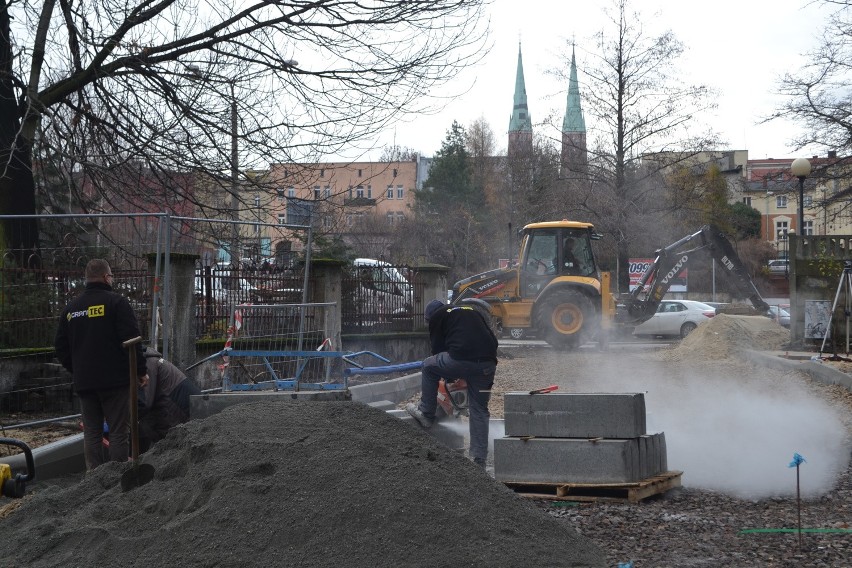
235	200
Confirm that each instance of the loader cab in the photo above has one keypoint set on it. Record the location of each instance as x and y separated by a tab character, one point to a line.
554	249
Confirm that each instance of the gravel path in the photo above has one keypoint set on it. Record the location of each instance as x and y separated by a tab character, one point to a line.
733	429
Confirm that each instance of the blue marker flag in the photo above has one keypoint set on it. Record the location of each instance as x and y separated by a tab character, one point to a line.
797	459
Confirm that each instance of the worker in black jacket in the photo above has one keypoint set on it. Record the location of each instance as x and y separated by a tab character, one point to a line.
88	343
463	347
164	401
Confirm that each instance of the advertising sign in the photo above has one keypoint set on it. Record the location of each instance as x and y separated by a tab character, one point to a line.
638	266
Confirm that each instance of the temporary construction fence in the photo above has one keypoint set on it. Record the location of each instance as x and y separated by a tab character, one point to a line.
284	347
37	282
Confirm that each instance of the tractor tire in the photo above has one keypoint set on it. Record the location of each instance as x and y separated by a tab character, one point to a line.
566	319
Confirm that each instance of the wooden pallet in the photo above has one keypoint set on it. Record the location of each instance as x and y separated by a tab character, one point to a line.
590	492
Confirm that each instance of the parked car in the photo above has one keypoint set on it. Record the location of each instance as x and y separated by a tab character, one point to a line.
379	291
780	315
225	288
676	318
778	266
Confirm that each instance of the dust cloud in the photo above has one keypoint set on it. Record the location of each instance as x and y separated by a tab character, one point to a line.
732	426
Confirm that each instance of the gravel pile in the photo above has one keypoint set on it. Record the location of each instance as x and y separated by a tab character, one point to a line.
304	484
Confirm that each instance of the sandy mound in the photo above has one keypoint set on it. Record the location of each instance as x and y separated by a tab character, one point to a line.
726	334
292	484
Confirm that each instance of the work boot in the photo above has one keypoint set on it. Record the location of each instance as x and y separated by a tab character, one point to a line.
480	462
418	415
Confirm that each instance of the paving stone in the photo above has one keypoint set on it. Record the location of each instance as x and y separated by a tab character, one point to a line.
575	415
566	460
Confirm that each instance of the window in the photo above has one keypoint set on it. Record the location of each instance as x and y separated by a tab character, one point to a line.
280	193
369	192
291	192
359	192
400	192
807	228
400	216
781	201
299	211
747	201
327	192
781	228
390	218
256	201
390	192
322	173
282	218
394	172
807	200
359	173
317	193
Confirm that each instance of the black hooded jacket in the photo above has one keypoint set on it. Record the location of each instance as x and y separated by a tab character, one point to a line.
463	333
89	339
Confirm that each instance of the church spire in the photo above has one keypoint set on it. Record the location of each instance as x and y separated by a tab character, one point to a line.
520	124
573	125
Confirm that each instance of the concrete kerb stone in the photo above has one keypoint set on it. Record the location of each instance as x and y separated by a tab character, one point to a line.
394	390
815	370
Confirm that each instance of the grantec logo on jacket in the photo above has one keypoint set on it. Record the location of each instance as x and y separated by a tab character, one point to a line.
91	331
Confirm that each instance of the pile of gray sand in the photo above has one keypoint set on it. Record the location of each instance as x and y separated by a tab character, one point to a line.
725	335
292	483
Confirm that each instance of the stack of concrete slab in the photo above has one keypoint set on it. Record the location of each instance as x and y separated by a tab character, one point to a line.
577	438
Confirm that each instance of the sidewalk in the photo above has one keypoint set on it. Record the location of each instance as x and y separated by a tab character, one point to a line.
801	361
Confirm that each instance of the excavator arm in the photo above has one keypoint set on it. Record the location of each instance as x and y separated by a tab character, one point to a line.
671	260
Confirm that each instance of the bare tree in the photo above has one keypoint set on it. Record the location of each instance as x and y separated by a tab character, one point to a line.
818	97
639	110
95	86
819	101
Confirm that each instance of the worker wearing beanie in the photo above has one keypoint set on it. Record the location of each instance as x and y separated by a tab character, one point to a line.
463	347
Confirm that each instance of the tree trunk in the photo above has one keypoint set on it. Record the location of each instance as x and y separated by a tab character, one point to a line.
17	185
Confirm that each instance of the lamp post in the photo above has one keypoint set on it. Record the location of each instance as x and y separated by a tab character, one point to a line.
801	168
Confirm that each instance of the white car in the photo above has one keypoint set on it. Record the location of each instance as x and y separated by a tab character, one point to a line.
225	288
676	318
780	315
779	266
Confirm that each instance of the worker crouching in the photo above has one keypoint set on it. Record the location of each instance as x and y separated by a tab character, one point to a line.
463	347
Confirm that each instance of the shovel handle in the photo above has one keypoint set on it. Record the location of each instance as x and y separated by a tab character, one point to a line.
130	345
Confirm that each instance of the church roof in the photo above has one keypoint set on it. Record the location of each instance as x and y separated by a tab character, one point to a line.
520	120
573	121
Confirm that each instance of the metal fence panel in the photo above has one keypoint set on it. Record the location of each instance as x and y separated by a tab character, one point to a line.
380	297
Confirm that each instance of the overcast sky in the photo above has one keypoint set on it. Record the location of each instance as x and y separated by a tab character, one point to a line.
738	47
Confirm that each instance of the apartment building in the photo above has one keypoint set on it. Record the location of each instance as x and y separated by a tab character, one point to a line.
359	201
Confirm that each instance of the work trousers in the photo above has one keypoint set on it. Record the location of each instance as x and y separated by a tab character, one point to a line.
112	406
479	377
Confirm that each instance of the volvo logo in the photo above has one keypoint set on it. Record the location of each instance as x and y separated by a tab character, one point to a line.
677	267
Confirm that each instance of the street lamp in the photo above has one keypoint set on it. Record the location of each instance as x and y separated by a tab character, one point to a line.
801	168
